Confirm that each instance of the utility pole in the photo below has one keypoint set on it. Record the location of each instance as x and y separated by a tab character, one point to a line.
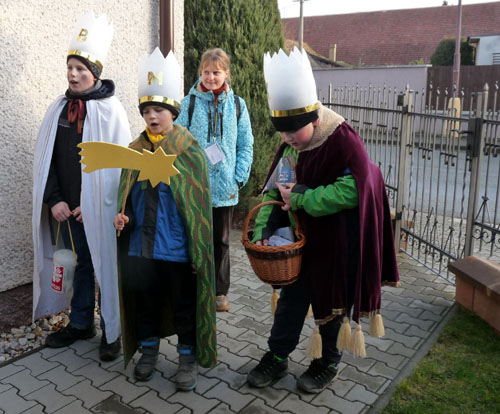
456	61
301	24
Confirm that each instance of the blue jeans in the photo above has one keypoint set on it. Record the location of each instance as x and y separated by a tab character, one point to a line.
83	299
289	319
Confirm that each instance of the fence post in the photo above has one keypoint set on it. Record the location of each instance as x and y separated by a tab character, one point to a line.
406	102
475	146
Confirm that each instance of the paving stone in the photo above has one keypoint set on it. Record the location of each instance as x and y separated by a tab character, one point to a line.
416	331
24	382
258	406
399	327
95	374
167	368
259	316
429	307
341	387
205	383
230	343
4	387
294	404
193	401
231	377
371	382
328	399
12	403
258	327
429	316
391	360
229	330
70	360
126	390
235	400
398	348
362	395
381	344
36	364
50	352
164	387
8	370
155	405
426	325
37	409
89	394
113	405
221	408
234	361
362	364
76	407
51	399
443	302
381	369
446	295
396	298
415	312
410	341
270	395
252	302
84	347
61	378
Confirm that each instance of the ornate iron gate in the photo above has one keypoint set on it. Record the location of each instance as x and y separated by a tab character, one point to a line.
439	157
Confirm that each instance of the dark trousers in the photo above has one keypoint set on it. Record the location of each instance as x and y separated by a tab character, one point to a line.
156	280
83	299
289	319
222	218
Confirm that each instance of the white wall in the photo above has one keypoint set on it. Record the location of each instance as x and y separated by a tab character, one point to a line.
485	49
34	38
378	76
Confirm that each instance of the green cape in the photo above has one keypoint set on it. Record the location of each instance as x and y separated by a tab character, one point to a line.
191	191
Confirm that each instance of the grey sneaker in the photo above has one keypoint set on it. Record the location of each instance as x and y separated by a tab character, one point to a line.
187	373
269	369
146	365
319	374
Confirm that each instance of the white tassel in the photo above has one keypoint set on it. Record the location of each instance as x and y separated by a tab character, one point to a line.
358	348
315	349
377	329
344	337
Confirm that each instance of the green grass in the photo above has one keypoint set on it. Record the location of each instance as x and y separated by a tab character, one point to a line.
460	374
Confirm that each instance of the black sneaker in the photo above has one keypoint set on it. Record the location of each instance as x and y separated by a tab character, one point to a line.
269	369
319	374
146	365
109	352
67	335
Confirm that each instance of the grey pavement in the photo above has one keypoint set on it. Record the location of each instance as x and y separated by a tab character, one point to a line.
72	380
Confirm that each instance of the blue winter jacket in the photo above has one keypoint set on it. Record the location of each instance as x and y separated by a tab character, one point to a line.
236	141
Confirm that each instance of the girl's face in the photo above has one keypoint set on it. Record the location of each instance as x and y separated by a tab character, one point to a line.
301	138
158	119
212	76
80	79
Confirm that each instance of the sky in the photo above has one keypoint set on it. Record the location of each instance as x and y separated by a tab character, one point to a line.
291	8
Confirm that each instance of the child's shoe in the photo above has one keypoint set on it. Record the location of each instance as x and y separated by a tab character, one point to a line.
319	374
146	365
269	369
187	373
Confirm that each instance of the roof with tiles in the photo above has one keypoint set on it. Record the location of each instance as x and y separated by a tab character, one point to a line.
393	37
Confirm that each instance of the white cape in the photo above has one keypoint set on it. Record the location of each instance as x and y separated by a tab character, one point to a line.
105	121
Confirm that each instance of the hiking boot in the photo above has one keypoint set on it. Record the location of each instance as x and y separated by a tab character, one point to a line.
187	373
222	303
67	335
145	367
109	352
319	374
269	369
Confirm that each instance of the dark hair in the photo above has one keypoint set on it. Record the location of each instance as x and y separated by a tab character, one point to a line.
175	111
96	70
293	123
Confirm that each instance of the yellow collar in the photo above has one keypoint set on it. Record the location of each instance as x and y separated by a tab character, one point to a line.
154	138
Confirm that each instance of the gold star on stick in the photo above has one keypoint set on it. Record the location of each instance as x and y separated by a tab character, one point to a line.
154	167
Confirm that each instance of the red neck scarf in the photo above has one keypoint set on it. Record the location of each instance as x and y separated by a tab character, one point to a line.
76	109
216	92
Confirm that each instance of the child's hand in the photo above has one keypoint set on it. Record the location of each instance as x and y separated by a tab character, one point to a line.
264	242
77	214
285	191
61	211
120	221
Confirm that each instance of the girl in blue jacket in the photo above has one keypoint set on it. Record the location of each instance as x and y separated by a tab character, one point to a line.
219	120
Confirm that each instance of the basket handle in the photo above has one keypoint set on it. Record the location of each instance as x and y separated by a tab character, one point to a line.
244	236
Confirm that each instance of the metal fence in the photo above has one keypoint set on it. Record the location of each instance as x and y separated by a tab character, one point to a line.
439	158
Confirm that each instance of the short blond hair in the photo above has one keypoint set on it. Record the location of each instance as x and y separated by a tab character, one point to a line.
219	57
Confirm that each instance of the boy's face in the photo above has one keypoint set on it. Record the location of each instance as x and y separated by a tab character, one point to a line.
80	78
301	138
158	119
213	77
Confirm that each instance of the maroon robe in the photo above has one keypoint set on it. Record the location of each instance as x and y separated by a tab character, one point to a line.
328	261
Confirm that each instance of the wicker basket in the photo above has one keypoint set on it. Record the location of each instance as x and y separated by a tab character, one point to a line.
276	265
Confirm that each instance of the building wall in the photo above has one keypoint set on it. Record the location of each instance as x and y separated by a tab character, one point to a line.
488	45
394	77
35	37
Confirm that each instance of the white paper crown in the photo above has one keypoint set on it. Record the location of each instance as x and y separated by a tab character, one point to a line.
291	88
92	38
160	79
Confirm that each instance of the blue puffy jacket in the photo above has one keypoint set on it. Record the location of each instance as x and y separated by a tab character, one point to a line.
236	141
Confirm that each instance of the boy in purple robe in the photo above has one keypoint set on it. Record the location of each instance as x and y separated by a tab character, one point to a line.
342	206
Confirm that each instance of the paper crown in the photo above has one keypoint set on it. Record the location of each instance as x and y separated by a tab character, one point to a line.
160	79
291	89
92	38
